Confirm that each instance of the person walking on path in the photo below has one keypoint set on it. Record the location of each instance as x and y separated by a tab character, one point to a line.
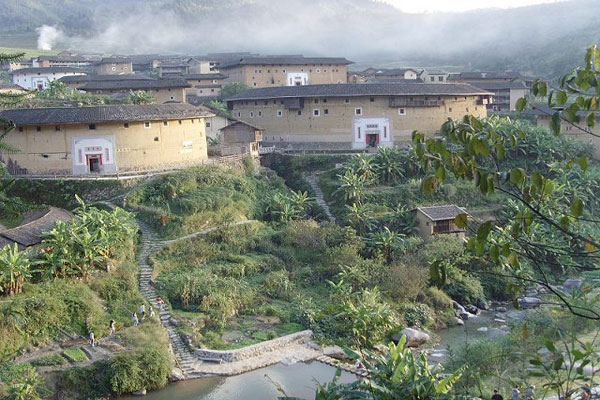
586	392
515	393
160	302
497	396
531	393
151	312
143	312
111	327
135	320
92	339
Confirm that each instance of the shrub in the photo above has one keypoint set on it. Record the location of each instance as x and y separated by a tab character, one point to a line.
277	284
50	360
125	374
463	287
418	315
404	282
437	299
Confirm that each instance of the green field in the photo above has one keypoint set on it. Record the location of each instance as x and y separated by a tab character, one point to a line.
29	52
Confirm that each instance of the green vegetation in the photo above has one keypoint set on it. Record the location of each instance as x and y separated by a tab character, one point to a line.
51	360
146	366
75	355
398	373
198	198
60	193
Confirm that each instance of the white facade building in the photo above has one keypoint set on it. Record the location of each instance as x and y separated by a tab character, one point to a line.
40	78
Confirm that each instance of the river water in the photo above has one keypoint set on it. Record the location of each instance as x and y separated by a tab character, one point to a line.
298	380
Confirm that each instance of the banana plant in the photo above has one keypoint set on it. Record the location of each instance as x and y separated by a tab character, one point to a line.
14	269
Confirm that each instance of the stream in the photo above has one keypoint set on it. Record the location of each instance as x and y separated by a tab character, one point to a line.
299	380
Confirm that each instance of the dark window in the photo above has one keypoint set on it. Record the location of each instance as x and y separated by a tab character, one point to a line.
372	99
92	126
57	128
299	112
180	122
165	123
316	101
442	226
326	111
324	100
156	139
126	125
20	129
147	124
38	128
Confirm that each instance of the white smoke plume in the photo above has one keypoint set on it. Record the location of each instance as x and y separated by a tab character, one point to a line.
48	36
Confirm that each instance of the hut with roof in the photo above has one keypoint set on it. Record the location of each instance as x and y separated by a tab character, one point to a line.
438	220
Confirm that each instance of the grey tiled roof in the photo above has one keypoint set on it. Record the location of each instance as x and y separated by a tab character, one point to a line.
203	76
63	58
485	75
285	60
110	60
362	89
30	233
142	84
395	71
46	70
500	85
94	77
113	113
440	213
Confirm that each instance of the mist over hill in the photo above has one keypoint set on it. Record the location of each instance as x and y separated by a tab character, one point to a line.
545	39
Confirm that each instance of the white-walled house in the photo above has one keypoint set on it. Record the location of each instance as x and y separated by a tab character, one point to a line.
40	78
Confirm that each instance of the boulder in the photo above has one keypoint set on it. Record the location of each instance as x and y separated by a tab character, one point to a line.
483	305
457	321
496	333
505	328
515	314
482	329
530	302
139	393
472	309
501	309
335	352
414	337
465	315
572	284
499	321
176	375
174	322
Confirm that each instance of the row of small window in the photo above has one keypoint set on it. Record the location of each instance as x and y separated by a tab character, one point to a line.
318	71
316	112
147	124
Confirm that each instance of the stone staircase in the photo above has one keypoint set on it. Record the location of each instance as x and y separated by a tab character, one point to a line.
312	180
151	243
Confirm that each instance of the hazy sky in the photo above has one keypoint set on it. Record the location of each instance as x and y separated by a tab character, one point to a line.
459	5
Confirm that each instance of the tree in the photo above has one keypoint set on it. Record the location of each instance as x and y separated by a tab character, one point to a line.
352	187
14	269
140	97
385	241
550	223
233	88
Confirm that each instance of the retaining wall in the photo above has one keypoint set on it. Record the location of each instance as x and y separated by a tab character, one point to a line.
253	350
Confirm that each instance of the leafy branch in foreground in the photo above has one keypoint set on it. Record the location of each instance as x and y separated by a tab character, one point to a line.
552	227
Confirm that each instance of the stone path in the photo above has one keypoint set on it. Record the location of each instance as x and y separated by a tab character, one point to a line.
150	243
312	180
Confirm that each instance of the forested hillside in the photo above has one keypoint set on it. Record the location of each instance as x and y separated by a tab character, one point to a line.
538	39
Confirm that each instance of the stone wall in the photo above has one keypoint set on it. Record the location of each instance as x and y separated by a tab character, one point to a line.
255	349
